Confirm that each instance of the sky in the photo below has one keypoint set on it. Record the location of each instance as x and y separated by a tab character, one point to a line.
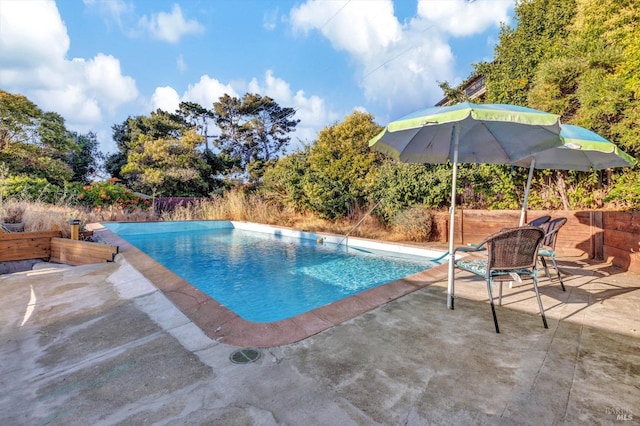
97	62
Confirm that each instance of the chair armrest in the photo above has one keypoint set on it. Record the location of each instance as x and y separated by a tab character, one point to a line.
477	246
471	248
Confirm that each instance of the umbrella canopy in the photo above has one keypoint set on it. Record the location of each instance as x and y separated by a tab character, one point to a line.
582	150
468	133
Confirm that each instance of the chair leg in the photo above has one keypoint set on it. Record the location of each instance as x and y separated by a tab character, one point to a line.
500	295
546	270
535	287
555	265
493	308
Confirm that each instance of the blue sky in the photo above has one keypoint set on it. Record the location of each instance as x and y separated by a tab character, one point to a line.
96	62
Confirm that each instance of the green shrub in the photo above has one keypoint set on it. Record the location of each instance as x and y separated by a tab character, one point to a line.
415	223
402	185
32	189
283	181
625	191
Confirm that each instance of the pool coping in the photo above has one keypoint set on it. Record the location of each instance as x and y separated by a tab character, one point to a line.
223	325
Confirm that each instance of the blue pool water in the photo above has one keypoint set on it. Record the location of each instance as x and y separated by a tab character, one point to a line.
265	277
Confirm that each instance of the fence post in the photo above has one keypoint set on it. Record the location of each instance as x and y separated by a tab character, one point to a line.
597	235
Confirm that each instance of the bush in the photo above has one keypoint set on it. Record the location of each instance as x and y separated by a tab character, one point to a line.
32	189
625	191
402	185
415	223
283	181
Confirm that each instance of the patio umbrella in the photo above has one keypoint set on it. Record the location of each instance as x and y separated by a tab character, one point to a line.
468	133
582	150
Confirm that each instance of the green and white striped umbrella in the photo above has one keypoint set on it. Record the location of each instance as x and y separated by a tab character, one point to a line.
468	133
582	150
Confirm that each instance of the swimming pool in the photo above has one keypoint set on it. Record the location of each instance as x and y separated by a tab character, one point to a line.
267	274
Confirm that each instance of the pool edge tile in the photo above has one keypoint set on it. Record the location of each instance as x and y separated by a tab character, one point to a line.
186	297
240	332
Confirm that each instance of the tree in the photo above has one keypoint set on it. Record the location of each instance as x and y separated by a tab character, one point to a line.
340	165
453	95
85	160
33	142
18	119
332	176
167	166
127	136
253	129
198	117
404	185
283	181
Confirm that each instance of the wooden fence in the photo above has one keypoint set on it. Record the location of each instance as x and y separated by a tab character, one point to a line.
603	235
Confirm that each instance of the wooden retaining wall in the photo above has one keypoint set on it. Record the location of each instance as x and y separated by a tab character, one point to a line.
603	235
621	239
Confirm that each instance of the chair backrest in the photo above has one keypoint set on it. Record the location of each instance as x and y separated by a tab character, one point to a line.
551	229
514	248
539	221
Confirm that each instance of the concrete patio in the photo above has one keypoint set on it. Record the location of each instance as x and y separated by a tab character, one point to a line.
100	344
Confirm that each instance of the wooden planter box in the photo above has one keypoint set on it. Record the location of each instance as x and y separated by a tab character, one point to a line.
51	247
26	245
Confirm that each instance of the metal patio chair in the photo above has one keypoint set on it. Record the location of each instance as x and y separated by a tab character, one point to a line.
539	221
548	248
511	256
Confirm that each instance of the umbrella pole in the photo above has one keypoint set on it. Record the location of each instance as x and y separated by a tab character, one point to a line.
452	215
526	191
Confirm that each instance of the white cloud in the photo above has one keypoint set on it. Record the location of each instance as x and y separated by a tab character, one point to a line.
105	80
118	11
72	102
359	27
270	19
170	27
399	65
463	18
33	48
165	26
181	65
207	91
31	33
165	98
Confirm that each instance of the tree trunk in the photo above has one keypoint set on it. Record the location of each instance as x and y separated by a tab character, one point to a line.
561	184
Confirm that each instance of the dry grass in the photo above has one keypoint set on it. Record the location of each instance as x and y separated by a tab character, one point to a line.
39	216
239	206
235	206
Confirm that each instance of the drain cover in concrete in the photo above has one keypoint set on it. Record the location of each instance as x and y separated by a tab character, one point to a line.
245	356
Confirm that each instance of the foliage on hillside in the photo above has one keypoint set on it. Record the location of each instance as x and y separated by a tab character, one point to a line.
575	58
